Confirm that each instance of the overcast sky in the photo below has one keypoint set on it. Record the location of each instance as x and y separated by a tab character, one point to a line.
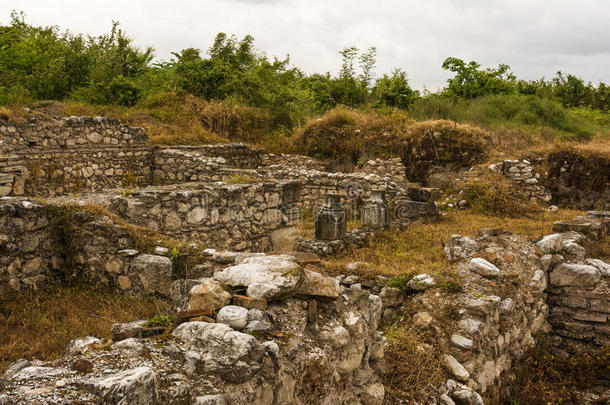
535	37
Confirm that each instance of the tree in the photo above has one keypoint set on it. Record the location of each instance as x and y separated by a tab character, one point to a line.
393	91
367	64
470	81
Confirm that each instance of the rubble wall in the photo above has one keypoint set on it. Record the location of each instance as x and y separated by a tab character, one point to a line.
41	244
236	217
48	157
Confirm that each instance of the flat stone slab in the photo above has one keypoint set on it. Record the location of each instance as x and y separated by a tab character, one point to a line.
574	275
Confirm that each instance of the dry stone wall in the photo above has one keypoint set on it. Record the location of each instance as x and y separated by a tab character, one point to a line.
45	156
237	217
579	289
52	242
525	176
406	204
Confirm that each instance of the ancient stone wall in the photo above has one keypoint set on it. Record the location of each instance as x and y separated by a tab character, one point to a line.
525	176
44	156
579	289
290	160
392	168
237	217
54	243
407	204
234	154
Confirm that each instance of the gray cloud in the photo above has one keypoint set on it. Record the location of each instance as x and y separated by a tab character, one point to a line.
537	38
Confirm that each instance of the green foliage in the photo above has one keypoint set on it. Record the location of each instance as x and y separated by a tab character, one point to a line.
44	63
41	63
400	281
158	321
471	82
393	91
512	109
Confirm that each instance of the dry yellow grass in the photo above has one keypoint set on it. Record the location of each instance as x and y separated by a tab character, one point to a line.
419	248
40	324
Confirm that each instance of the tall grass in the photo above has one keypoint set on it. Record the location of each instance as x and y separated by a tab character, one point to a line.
532	113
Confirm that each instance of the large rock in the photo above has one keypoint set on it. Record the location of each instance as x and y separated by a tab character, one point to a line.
154	272
319	286
459	247
81	345
550	244
484	268
285	239
131	387
574	275
208	296
269	277
233	355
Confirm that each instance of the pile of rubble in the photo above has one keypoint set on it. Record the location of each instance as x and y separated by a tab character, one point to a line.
265	330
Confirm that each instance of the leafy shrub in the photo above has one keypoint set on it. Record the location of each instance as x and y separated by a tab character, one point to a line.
158	320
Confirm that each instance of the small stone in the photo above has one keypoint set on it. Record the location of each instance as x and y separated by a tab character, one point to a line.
484	268
550	244
445	400
208	296
124	283
161	251
127	252
455	368
349	280
574	249
469	325
249	302
319	286
421	282
459	247
602	266
422	319
234	316
461	342
358	266
217	399
81	345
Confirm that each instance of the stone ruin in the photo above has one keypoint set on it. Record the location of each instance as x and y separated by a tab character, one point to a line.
265	328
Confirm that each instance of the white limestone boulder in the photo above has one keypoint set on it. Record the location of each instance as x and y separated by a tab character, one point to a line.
270	277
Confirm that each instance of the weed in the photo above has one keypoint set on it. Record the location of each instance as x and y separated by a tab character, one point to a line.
401	280
413	367
158	320
239	178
